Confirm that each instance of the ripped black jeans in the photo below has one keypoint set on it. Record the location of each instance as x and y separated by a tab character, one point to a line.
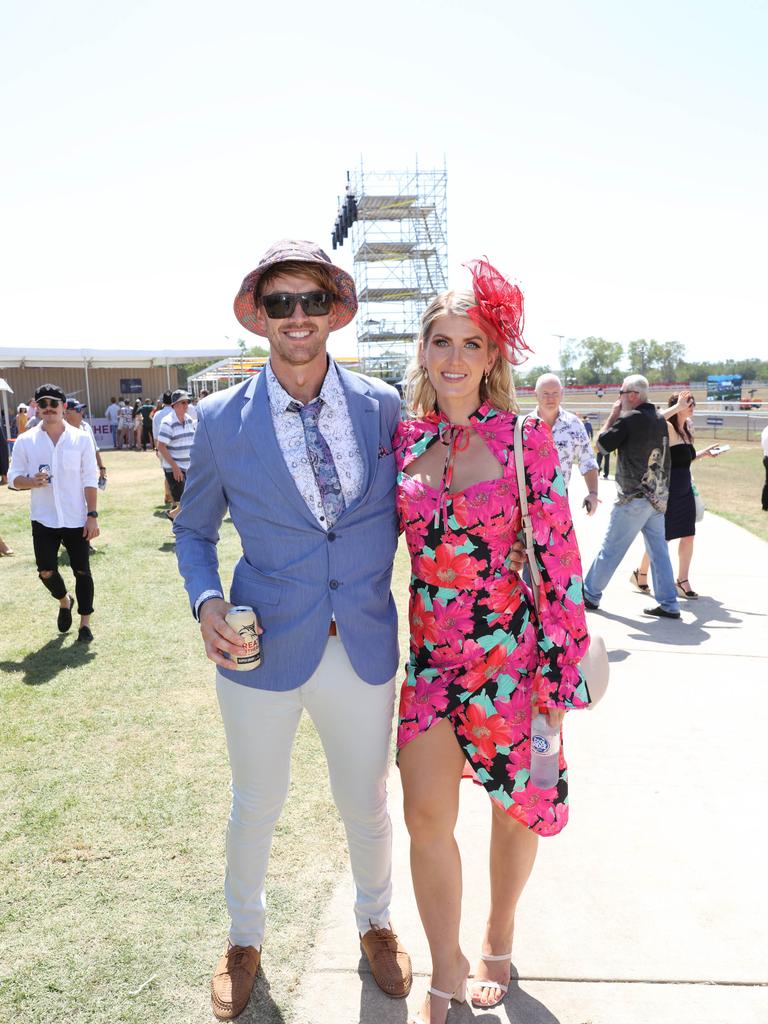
46	541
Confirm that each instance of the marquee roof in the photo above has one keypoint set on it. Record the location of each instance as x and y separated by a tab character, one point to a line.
107	357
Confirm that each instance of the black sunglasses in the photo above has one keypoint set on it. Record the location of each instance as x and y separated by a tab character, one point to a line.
280	305
48	403
629	391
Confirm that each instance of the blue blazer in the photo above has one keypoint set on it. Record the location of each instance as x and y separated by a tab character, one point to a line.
295	574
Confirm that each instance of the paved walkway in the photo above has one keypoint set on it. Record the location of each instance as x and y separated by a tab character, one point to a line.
652	905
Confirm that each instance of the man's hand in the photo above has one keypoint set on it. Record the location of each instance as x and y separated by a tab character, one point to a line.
91	528
555	716
517	557
218	636
40	480
614	414
590	503
178	473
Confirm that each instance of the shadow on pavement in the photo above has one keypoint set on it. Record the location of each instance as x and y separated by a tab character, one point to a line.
706	612
518	1008
375	1007
44	665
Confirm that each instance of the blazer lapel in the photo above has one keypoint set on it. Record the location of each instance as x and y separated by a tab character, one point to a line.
256	416
364	413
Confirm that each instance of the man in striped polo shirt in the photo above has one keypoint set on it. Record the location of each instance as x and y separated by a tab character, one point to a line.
174	443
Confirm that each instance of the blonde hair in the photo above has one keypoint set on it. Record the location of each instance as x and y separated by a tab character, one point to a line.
497	386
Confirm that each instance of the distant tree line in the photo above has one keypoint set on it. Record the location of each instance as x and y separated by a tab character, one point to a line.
597	361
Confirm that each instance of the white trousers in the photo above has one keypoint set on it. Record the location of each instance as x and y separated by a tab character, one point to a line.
354	721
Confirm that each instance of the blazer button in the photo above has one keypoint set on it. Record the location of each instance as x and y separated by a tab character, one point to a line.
331	535
334	584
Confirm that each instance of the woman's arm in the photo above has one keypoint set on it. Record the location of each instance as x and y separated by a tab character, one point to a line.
563	635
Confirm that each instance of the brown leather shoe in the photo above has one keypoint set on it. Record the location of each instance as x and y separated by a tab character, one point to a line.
389	962
233	981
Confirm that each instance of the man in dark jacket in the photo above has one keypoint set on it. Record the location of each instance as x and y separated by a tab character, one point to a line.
638	434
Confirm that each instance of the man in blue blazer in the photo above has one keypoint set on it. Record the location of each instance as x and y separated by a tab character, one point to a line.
301	456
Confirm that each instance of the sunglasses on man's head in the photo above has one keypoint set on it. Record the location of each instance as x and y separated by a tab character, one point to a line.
48	403
280	305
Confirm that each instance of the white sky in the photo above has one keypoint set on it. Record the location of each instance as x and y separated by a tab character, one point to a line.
610	156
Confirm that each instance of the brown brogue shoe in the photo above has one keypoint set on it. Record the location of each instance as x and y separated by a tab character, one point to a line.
233	981
390	964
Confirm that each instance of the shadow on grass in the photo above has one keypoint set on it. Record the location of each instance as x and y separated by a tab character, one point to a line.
168	545
42	666
261	1008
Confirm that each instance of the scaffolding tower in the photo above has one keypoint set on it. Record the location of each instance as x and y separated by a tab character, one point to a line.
398	226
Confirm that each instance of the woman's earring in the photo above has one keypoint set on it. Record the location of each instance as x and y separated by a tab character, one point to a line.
485	378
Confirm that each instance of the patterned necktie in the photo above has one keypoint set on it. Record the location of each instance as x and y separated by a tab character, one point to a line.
321	460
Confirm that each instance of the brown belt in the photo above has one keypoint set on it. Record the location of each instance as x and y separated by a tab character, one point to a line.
332	631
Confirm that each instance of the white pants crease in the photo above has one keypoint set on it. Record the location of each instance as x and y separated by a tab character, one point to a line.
354	721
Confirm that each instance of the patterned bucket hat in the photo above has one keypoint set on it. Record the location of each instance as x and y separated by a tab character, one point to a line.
344	308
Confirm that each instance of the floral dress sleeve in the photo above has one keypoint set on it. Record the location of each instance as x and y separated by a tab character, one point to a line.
563	636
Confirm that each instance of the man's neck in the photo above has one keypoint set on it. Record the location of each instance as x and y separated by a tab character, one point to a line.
301	382
548	417
54	430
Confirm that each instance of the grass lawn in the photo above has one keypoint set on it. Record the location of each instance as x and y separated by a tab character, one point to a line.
114	789
731	485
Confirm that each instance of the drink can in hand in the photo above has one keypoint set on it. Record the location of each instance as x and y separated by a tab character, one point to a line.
243	620
45	468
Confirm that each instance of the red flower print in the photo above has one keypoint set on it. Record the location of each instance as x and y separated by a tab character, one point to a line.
454	621
562	560
486	668
423	700
423	627
504	595
406	731
485	732
448	569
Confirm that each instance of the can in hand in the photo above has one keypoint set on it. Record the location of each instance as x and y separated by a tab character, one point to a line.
45	468
243	620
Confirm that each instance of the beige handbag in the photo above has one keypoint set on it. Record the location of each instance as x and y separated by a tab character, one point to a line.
594	664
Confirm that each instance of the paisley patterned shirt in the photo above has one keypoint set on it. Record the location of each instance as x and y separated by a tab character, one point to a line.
334	424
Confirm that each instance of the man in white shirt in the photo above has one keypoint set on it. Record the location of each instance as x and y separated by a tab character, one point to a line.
764	442
569	435
112	411
73	414
174	444
58	464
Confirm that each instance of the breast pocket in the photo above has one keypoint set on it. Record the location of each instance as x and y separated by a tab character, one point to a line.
70	462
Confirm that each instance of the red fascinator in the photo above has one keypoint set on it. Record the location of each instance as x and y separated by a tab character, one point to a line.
499	310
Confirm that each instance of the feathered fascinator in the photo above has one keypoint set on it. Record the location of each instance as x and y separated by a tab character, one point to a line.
499	310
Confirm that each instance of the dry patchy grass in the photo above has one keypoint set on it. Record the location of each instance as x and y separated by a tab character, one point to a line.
114	790
731	485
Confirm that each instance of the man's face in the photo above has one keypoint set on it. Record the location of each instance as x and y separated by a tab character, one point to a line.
73	417
299	339
629	397
50	411
180	408
549	396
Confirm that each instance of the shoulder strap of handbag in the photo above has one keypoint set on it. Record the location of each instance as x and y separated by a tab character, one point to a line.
525	514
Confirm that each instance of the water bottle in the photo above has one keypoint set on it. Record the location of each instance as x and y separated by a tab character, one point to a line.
545	752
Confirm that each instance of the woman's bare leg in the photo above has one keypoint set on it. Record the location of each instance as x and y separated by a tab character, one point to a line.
684	556
430	768
513	852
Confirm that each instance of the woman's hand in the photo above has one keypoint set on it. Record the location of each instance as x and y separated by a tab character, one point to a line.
709	451
555	716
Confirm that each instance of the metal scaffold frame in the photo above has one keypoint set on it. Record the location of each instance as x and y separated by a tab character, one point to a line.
398	227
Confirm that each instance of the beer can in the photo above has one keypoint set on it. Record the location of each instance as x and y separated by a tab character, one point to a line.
45	468
243	620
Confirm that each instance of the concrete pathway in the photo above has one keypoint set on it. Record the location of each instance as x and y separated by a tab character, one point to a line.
652	905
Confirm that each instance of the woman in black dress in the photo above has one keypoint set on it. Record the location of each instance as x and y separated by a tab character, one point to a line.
680	517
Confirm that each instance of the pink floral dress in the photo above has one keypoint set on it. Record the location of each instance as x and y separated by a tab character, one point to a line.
477	654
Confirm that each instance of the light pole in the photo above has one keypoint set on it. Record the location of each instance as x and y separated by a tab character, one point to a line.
559	352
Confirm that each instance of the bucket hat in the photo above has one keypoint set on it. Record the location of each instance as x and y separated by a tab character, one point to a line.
344	308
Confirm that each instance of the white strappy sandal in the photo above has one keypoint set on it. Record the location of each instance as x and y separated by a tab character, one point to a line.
486	984
459	996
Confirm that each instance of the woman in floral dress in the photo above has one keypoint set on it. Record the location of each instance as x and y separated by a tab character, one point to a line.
478	659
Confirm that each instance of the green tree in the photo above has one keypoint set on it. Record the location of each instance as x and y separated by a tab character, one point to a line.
529	378
599	361
671	356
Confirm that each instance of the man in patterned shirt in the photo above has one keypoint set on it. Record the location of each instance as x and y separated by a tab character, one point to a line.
570	437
